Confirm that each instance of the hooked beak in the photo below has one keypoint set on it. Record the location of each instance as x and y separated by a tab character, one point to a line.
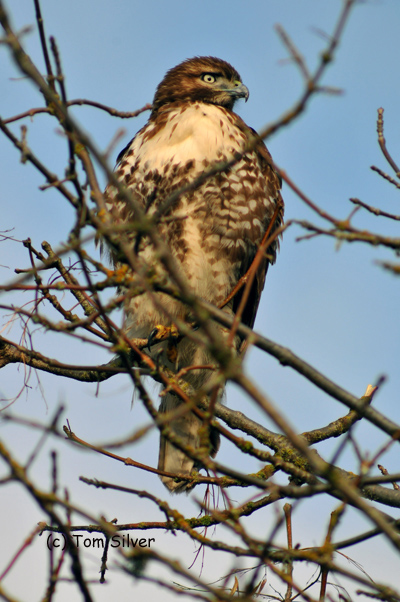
239	91
235	89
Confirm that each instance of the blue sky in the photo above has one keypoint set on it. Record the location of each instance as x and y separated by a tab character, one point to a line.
334	307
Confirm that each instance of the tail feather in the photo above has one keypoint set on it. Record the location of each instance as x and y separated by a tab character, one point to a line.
172	459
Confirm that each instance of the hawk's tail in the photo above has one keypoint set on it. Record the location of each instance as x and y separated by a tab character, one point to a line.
186	427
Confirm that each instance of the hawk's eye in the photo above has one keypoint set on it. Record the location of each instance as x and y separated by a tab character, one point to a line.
209	78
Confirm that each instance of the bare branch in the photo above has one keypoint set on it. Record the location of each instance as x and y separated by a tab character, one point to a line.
382	143
82	102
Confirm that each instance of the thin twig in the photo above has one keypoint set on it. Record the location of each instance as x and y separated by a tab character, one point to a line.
382	143
42	35
375	210
82	102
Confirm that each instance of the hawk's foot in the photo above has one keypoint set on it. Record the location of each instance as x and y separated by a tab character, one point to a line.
163	333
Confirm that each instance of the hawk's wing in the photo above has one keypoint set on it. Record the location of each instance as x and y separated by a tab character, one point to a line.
274	183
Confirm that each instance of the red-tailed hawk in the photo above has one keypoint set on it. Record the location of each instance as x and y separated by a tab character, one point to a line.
213	231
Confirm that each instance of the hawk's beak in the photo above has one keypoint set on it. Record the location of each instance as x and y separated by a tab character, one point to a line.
235	89
239	91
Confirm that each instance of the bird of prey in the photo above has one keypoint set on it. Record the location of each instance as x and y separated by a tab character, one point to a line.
212	230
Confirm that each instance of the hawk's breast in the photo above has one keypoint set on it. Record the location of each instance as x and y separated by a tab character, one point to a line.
195	132
214	229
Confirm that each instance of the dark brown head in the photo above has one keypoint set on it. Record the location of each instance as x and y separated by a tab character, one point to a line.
203	78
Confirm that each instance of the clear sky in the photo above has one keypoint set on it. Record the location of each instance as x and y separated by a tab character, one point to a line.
335	307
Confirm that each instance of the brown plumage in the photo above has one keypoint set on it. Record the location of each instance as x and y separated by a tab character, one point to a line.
218	226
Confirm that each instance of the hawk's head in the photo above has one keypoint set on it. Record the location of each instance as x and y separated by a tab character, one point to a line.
203	78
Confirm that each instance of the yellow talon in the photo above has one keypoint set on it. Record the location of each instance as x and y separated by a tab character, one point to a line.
161	333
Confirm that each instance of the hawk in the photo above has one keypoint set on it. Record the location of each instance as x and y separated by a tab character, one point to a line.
213	230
